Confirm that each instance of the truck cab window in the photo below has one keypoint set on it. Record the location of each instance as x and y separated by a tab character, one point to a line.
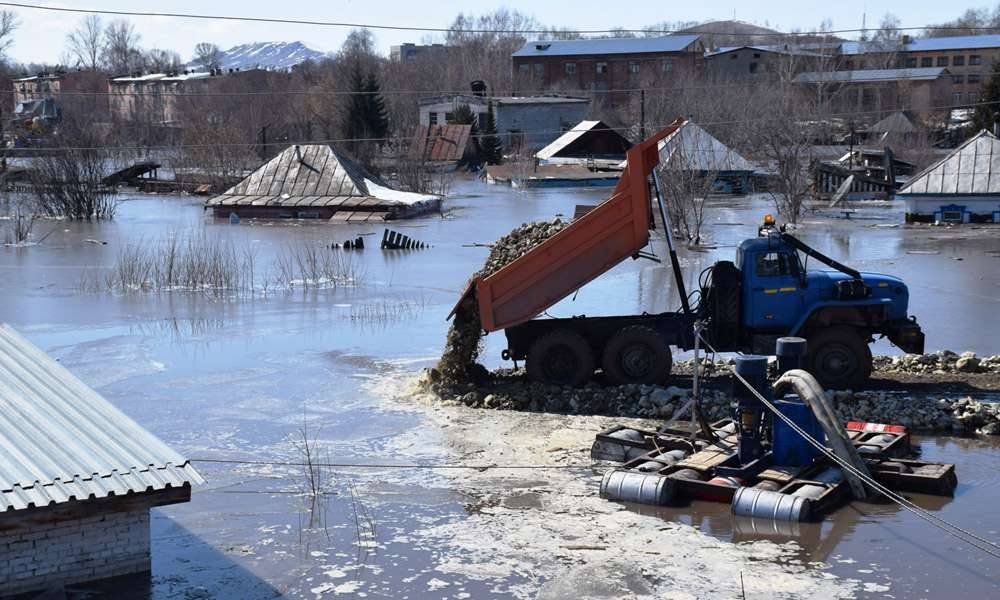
776	264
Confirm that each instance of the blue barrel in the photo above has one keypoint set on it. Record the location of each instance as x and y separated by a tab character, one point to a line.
788	447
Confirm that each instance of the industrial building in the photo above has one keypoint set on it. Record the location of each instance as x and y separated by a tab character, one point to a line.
614	64
880	92
77	477
314	182
960	188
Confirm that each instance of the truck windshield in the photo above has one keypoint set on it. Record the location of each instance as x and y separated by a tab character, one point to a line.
776	264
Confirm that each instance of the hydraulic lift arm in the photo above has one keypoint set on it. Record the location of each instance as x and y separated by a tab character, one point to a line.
808	250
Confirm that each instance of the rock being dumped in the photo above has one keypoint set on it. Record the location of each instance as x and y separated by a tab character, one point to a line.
463	344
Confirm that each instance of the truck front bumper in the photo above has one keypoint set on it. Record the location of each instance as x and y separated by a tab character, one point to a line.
907	335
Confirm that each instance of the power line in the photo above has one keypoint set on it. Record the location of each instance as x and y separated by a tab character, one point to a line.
625	129
320	23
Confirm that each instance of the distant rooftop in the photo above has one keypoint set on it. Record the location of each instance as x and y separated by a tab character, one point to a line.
774	48
668	43
960	42
163	77
871	75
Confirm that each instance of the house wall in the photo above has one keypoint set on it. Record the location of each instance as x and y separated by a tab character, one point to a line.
921	208
877	99
750	63
45	553
533	126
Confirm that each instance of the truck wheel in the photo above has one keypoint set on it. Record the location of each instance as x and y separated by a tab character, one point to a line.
561	357
839	358
636	354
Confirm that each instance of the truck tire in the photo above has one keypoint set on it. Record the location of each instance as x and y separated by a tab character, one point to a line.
560	357
636	354
839	358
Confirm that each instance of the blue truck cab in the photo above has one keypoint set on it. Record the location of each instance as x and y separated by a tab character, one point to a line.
838	311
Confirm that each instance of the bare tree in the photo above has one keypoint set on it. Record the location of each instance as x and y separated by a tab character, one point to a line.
8	25
68	183
208	56
162	61
121	53
86	42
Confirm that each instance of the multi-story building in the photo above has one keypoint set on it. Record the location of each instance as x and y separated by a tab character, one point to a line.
761	62
155	98
409	52
874	93
969	60
601	65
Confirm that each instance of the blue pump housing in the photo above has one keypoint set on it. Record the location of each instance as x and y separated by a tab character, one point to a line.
788	448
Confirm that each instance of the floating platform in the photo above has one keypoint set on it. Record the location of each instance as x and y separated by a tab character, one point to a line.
673	467
550	176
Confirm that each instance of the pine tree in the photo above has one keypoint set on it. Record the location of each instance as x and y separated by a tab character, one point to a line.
489	143
378	119
988	108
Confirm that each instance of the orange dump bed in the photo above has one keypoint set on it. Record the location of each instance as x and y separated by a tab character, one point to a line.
591	245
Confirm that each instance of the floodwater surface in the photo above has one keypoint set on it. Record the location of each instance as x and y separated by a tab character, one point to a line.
242	385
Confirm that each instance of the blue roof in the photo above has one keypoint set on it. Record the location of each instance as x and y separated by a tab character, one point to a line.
871	75
961	42
667	43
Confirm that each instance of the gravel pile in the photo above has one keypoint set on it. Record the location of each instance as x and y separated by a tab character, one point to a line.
464	341
510	391
939	363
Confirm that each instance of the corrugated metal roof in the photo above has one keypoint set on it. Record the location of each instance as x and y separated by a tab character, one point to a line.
440	142
567	138
773	48
868	75
897	122
691	148
972	168
668	43
61	441
482	101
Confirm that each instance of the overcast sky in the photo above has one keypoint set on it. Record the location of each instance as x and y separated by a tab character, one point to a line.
42	34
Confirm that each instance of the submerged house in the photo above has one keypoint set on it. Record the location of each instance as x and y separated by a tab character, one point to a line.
315	182
590	144
963	187
694	151
77	477
443	147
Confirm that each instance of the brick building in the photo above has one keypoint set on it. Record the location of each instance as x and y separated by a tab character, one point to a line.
874	93
969	60
77	477
598	65
760	62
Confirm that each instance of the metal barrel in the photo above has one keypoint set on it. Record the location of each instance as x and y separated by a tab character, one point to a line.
885	438
607	450
641	488
730	481
765	504
767	484
687	474
385	239
750	526
650	466
832	475
791	353
869	449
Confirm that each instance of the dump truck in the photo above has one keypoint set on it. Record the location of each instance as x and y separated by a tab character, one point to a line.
743	305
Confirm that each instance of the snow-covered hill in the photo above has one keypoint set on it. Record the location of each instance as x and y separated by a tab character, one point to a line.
267	55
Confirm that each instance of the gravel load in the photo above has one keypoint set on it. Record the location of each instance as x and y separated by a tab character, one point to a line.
939	363
464	342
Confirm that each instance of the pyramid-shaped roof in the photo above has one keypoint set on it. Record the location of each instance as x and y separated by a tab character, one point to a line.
691	148
972	168
897	122
574	142
313	175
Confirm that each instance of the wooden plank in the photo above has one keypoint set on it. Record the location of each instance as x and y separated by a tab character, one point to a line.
273	186
341	216
263	183
712	456
322	157
294	166
782	475
334	200
251	184
326	177
306	168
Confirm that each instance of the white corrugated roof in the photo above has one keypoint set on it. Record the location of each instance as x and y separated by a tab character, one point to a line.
972	168
566	139
638	45
691	148
61	441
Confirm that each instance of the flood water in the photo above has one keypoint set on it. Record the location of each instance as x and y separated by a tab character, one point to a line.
241	378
